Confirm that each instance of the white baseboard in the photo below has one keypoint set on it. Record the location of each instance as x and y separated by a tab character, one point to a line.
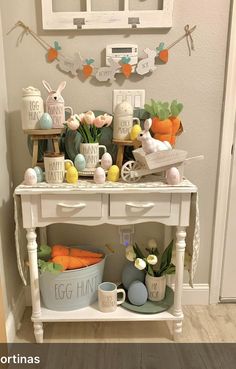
199	295
15	315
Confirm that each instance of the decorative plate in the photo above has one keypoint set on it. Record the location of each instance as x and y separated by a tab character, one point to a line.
152	307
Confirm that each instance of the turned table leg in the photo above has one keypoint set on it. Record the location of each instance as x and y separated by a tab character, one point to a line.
34	283
180	250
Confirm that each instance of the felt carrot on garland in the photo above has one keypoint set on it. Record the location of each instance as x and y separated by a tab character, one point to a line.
163	54
53	52
88	68
126	67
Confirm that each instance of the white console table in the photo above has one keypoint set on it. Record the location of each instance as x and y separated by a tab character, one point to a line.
111	203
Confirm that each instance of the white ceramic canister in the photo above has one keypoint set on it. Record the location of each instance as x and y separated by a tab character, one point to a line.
32	108
123	121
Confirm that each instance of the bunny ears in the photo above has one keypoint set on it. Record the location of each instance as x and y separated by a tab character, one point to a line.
61	86
147	124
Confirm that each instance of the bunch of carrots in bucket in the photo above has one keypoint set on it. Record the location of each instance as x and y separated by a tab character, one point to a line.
59	258
166	124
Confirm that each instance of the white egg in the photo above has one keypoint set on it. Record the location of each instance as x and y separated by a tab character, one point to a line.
30	177
106	161
173	176
80	162
99	176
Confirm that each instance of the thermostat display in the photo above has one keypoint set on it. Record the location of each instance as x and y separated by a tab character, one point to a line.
118	51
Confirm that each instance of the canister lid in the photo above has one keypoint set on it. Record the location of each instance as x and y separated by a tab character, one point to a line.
30	91
124	108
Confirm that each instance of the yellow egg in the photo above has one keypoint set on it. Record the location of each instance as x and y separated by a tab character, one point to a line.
113	173
72	175
68	165
135	131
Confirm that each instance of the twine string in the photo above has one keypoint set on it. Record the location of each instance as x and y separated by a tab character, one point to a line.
188	36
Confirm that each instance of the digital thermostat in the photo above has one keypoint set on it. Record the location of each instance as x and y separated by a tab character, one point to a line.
118	51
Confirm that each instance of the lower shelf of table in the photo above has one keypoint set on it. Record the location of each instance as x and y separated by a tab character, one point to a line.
91	313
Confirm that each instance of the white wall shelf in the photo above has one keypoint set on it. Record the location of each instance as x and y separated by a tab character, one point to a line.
128	17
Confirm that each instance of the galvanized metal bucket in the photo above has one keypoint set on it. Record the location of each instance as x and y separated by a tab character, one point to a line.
72	289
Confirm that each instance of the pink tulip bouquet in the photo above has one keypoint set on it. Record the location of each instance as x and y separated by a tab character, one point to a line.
89	126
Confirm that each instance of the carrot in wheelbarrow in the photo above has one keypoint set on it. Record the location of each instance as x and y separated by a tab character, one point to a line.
71	262
60	250
75	251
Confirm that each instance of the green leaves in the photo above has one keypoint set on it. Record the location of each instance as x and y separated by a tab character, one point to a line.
166	267
44	252
48	266
163	110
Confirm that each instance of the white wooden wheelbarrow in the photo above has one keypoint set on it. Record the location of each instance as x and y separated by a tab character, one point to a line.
160	161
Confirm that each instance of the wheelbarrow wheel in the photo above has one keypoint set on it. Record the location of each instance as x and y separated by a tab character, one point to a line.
127	171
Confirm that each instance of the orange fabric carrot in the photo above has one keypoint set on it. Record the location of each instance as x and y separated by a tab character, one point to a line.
60	250
84	253
71	262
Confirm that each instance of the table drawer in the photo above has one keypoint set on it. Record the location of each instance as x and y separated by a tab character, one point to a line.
71	206
145	205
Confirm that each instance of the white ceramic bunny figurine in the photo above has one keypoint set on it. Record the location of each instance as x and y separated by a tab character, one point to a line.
150	144
55	105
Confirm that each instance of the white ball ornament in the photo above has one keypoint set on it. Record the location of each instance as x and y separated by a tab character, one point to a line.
30	177
99	175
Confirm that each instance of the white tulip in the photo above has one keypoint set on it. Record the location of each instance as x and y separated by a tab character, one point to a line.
129	253
152	244
89	117
140	264
152	259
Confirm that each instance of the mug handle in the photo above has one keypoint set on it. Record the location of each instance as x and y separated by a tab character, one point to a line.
137	120
103	147
69	108
69	161
120	290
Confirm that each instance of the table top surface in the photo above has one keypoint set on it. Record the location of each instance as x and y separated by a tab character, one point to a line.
149	184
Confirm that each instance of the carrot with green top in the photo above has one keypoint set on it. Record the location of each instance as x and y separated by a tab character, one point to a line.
71	262
75	251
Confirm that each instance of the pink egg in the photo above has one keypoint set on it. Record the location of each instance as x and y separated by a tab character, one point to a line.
173	176
106	161
99	175
30	177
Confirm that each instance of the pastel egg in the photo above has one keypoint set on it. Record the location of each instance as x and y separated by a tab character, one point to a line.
80	162
113	173
45	121
173	176
30	177
130	274
106	160
137	293
99	175
39	174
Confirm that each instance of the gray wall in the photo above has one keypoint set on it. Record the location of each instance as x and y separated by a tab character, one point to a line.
197	81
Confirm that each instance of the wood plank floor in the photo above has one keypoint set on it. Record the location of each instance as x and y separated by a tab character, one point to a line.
213	323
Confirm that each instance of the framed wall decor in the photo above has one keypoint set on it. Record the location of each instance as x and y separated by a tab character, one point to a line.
108	14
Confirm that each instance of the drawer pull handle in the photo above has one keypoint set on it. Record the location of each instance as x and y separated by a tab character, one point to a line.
72	206
140	205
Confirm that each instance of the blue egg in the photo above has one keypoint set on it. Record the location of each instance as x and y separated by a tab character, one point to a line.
137	293
45	121
39	174
80	162
130	273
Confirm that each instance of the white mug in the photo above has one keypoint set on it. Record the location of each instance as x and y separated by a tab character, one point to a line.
54	165
90	151
107	297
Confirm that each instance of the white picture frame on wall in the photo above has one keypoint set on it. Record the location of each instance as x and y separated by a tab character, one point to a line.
117	19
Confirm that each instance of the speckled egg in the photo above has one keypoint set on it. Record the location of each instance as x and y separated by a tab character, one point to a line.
113	173
80	162
30	177
45	121
106	160
137	293
173	176
39	174
99	175
131	274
